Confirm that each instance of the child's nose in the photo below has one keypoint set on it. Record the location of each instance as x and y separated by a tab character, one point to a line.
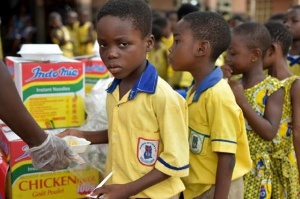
112	53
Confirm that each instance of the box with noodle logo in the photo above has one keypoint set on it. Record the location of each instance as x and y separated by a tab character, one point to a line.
94	71
53	92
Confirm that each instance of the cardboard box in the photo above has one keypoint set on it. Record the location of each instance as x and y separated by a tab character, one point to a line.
22	180
94	70
52	92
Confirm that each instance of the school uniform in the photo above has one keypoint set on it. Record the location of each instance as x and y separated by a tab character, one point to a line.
294	64
67	48
82	35
216	124
147	129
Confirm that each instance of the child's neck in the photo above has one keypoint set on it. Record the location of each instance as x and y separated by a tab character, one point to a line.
295	48
253	76
280	69
201	72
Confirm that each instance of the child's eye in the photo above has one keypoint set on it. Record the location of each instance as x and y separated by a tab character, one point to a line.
231	53
123	44
102	45
176	41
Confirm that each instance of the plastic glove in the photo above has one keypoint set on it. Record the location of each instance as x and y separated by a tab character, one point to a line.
53	154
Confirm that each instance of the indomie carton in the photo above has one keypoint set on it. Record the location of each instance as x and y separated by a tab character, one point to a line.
52	92
94	71
19	179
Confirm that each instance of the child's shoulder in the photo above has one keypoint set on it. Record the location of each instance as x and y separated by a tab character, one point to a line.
165	91
272	82
221	92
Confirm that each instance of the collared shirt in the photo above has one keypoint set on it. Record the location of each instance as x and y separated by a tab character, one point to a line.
216	124
148	129
293	62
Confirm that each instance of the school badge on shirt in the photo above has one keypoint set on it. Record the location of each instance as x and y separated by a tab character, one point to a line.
196	141
147	151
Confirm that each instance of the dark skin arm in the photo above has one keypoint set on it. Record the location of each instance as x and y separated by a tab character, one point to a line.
295	100
95	137
61	40
14	114
265	126
117	191
226	162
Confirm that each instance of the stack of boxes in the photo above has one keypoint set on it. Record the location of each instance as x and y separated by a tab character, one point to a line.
53	92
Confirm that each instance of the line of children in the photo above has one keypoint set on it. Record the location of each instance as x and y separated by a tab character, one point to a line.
286	148
260	98
219	151
141	146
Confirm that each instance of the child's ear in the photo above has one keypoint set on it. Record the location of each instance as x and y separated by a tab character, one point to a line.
149	43
202	47
272	49
256	54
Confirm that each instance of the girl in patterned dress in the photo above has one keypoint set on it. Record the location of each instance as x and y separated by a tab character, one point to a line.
260	98
286	148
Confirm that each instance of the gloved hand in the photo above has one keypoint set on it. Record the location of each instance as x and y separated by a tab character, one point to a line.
53	154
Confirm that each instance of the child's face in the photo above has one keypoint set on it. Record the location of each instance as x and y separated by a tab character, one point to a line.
238	55
292	22
181	53
71	19
173	20
122	48
167	31
55	22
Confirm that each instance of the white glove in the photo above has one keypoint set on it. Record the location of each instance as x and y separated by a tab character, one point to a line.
53	154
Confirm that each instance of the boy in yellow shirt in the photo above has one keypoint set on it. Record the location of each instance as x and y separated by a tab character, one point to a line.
219	151
147	132
60	35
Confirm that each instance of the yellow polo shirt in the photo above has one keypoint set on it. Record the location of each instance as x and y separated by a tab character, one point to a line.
294	64
216	124
148	129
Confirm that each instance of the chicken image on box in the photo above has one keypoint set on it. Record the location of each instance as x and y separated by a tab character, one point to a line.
52	92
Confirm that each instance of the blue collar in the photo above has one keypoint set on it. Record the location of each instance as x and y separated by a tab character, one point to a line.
146	83
209	81
293	60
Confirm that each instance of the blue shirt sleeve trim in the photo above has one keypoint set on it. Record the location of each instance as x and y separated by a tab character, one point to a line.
172	167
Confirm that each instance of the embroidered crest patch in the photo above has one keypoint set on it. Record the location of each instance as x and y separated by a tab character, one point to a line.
196	142
147	151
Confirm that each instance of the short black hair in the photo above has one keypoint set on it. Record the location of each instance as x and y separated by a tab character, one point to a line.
237	17
277	17
156	32
137	11
170	12
185	9
54	15
280	34
256	35
295	7
162	22
212	27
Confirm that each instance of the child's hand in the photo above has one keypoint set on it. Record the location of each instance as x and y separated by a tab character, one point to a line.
115	191
227	71
72	132
238	91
